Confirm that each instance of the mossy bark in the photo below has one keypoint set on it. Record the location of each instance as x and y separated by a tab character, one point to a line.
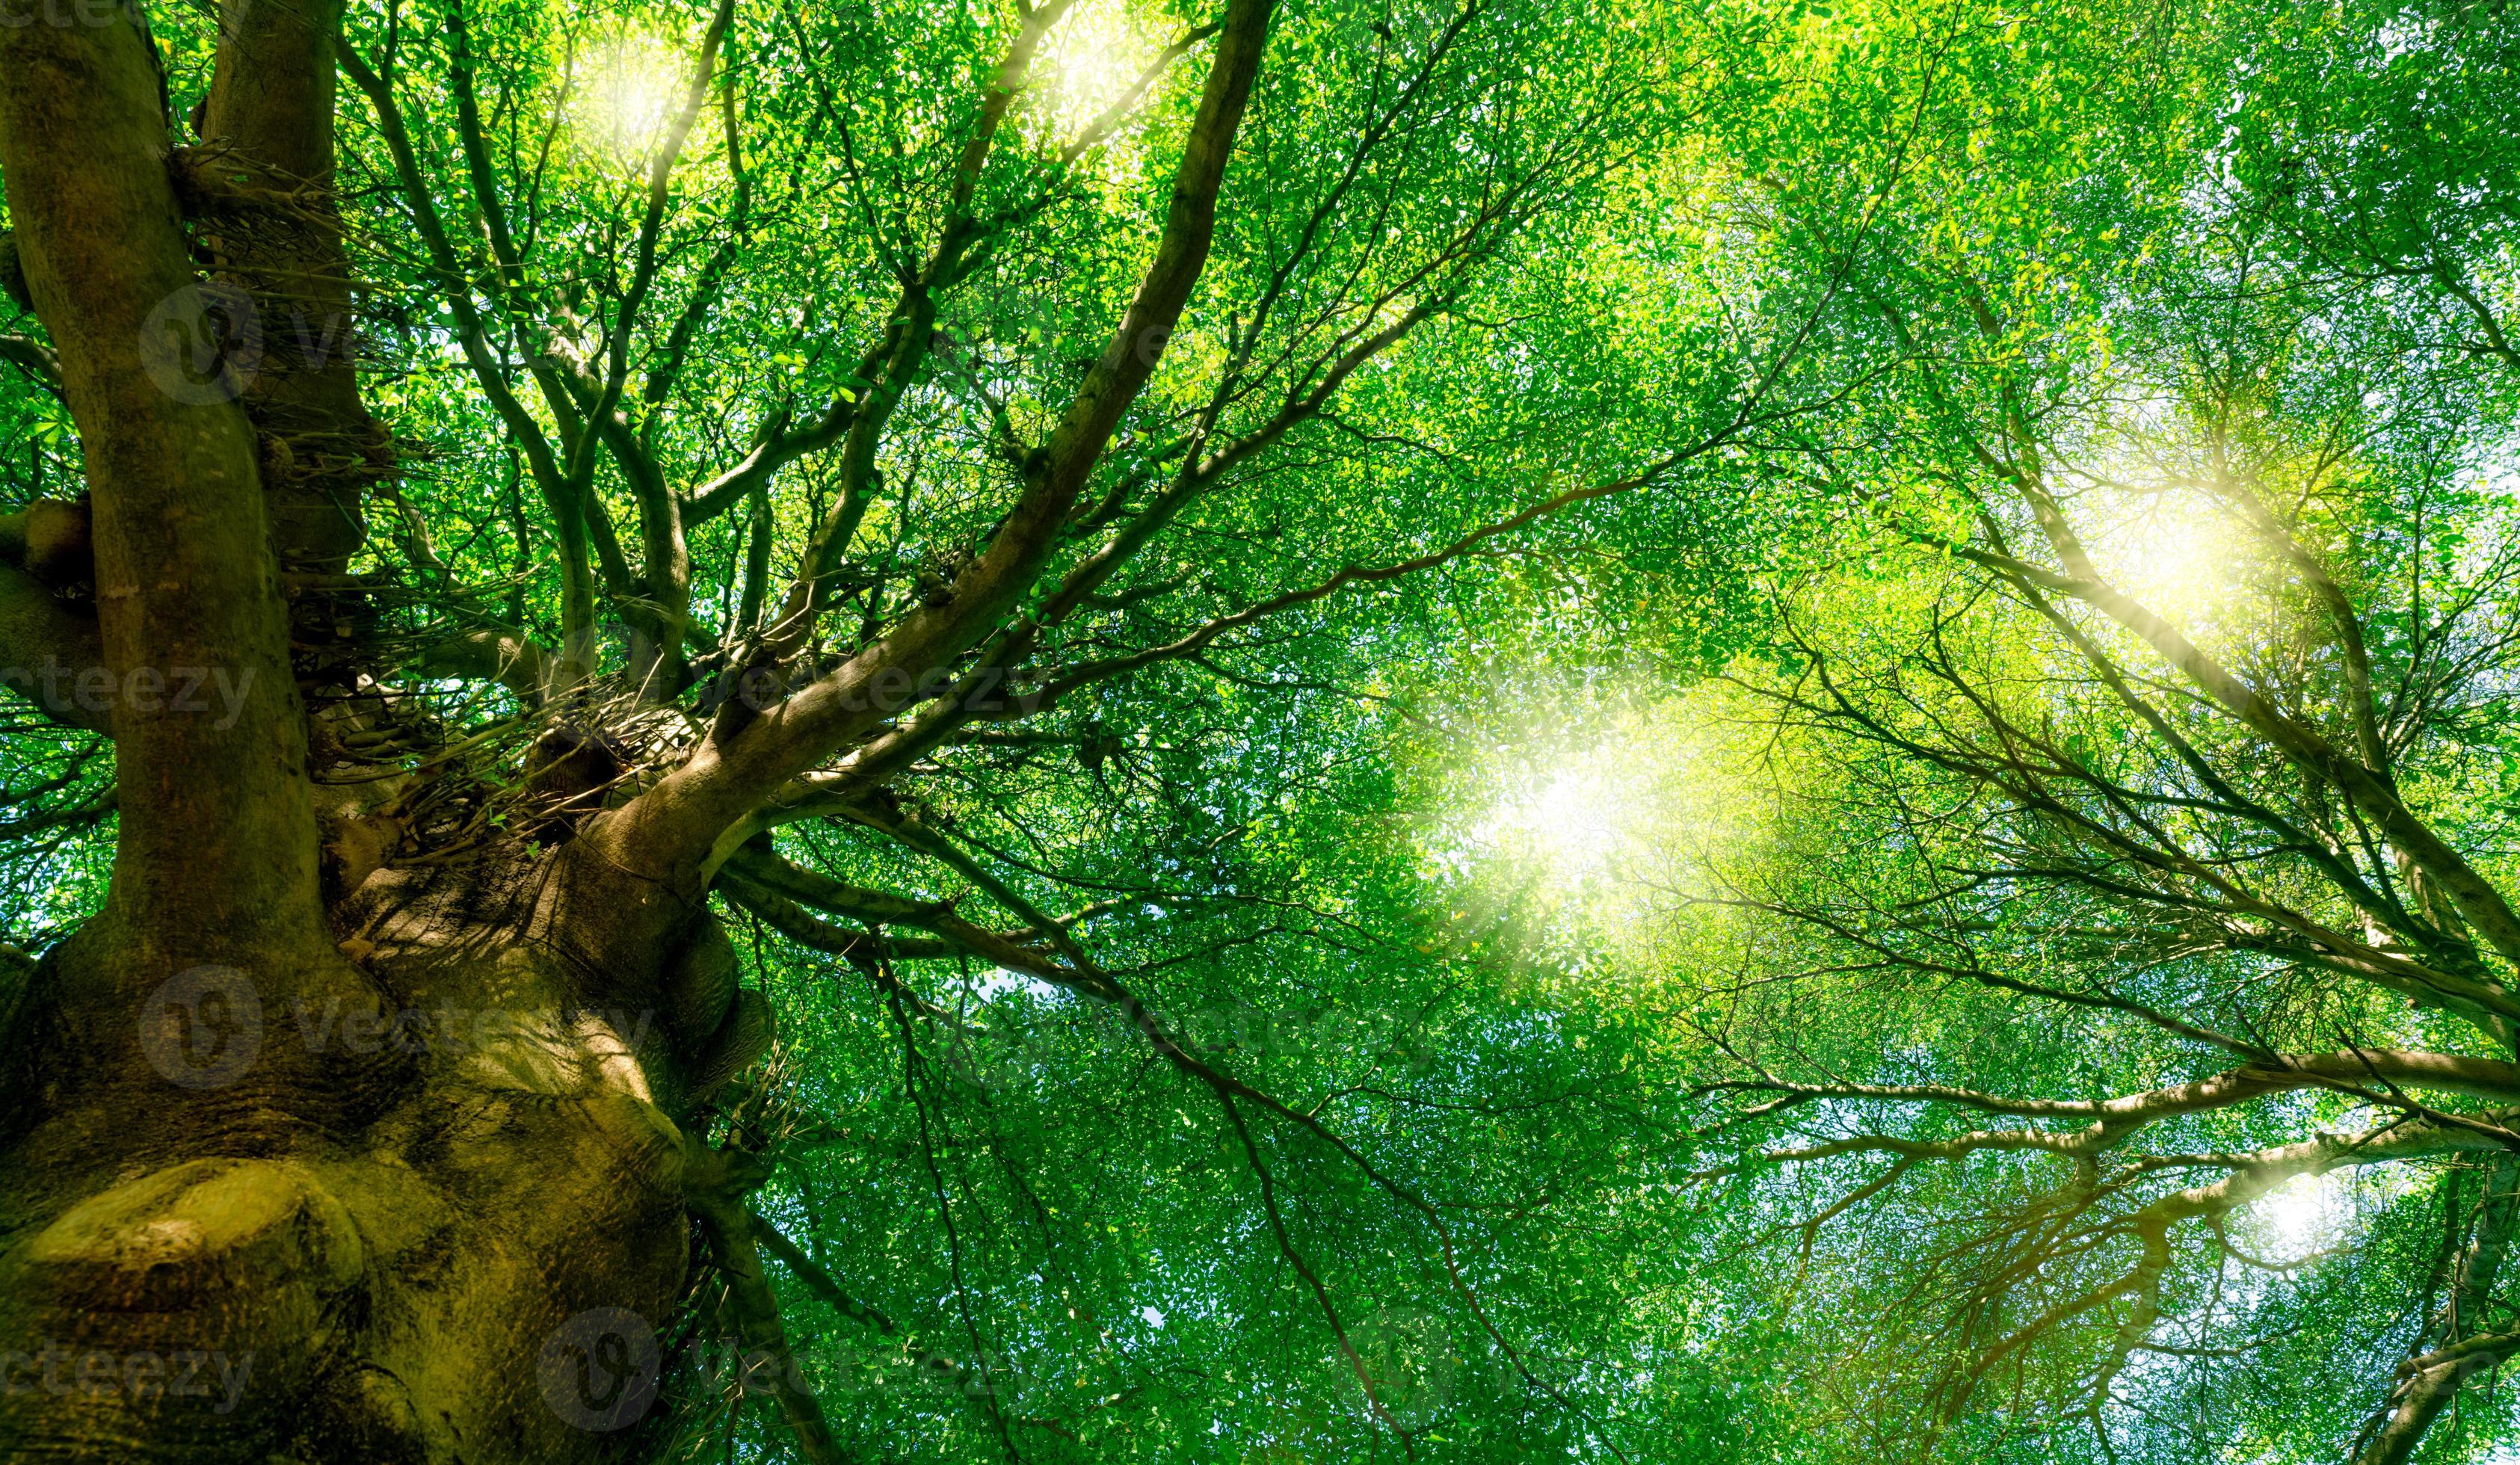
300	1159
374	1214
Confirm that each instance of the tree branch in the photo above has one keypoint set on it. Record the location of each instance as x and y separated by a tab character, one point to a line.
671	829
217	842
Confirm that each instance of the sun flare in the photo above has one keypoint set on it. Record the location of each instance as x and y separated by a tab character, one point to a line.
630	90
1573	818
1095	55
1600	811
2178	553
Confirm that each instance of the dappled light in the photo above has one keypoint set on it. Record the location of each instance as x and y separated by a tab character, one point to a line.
1236	732
633	84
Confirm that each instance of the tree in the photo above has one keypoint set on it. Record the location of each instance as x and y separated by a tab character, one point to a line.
2177	759
1075	731
549	484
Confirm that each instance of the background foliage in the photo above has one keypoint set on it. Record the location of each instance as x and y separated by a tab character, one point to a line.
1496	870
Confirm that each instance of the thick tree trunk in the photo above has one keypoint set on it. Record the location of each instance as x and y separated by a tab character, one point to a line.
401	1177
302	1157
439	1214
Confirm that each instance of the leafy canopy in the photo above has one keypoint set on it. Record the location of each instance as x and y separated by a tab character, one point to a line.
2004	473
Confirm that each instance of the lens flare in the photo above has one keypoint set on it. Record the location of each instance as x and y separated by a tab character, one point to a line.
2178	553
631	88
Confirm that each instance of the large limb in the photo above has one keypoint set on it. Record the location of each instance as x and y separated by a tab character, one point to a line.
765	885
2147	861
502	655
1076	970
970	1383
2427	1381
2247	1177
668	830
217	844
779	446
2114	1121
665	555
752	1306
942	721
47	648
2068	1229
32	356
898	357
2361	775
2427	1389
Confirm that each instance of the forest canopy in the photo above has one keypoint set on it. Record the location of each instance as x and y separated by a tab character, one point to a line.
1129	730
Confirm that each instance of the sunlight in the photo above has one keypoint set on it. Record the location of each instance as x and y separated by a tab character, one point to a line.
1593	838
1575	819
2312	1213
1593	813
2177	553
2303	1215
633	85
1095	55
1772	731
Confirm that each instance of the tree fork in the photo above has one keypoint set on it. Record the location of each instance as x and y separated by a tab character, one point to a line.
296	1205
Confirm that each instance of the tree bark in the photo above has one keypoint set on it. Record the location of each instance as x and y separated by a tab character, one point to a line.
394	1177
407	1158
2428	1383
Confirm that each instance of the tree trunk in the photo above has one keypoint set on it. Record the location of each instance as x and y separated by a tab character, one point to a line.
300	1160
407	1161
429	1205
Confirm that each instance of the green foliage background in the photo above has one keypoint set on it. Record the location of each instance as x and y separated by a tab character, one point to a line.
1781	265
